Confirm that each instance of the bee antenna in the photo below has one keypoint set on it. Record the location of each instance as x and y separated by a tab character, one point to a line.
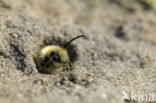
73	40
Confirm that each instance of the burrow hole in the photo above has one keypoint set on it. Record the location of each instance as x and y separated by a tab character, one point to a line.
71	49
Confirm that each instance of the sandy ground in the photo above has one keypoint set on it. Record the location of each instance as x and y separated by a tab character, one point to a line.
117	56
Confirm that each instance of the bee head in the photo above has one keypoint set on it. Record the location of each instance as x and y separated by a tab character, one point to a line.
55	59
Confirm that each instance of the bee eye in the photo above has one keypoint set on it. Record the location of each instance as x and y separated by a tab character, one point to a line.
55	58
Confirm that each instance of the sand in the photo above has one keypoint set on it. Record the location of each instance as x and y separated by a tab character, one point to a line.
117	56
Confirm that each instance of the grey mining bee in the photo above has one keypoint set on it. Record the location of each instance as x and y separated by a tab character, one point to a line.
54	59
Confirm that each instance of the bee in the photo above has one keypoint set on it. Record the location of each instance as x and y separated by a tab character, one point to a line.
54	59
